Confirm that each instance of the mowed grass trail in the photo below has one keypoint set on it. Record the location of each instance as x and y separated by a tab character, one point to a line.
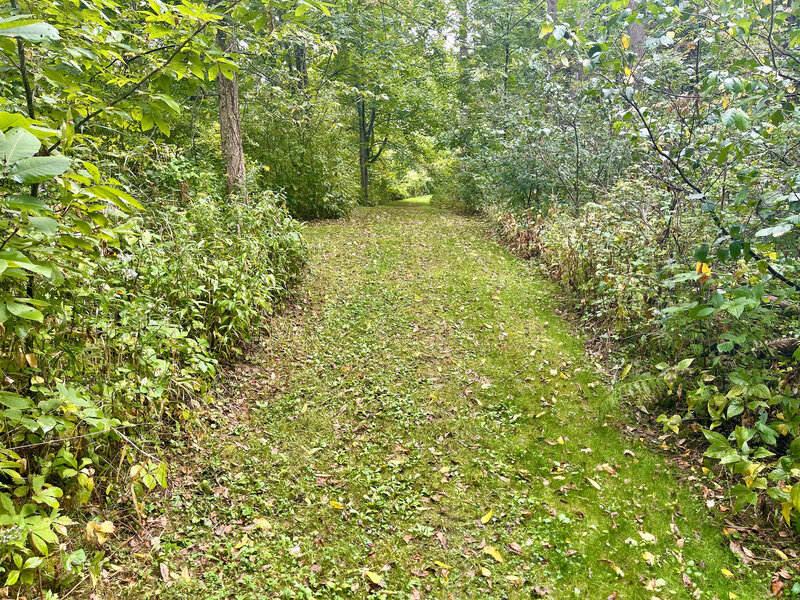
423	425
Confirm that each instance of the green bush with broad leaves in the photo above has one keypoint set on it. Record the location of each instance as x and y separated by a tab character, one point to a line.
111	317
652	301
645	155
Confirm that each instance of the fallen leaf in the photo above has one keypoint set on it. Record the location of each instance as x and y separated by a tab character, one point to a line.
744	553
492	551
647	537
485	518
610	563
516	548
777	587
593	483
99	532
374	577
442	539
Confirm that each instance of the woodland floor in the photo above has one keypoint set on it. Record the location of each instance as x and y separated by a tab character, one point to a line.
422	424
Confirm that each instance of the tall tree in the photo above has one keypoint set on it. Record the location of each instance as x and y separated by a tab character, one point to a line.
230	129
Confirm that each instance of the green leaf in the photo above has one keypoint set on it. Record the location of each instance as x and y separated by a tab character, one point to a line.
28	29
9	120
11	400
47	422
795	495
39	168
23	311
162	126
18	143
24	202
93	171
736	117
44	224
13	577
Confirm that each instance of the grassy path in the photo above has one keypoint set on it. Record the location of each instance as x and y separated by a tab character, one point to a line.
425	426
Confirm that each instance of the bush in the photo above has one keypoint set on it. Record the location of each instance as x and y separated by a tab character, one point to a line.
705	323
109	322
304	159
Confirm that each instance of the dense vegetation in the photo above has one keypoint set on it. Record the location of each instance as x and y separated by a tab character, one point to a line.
158	157
647	156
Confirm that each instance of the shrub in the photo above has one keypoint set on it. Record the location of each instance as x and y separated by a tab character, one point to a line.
110	322
705	323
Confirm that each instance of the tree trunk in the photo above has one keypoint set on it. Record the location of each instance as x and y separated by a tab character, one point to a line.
552	9
301	64
636	32
230	129
363	148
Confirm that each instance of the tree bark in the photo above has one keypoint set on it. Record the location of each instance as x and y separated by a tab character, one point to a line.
783	346
363	148
552	9
301	64
230	129
636	32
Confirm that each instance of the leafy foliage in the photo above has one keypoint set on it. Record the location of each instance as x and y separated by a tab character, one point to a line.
645	154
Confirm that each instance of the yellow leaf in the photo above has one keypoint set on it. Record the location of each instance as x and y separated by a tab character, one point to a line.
245	542
337	505
486	572
703	270
262	523
106	527
439	563
647	537
626	41
546	28
625	371
727	573
492	551
560	441
98	532
593	483
649	558
485	518
786	511
185	575
374	577
671	35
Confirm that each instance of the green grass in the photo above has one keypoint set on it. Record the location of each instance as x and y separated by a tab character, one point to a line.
416	201
426	385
